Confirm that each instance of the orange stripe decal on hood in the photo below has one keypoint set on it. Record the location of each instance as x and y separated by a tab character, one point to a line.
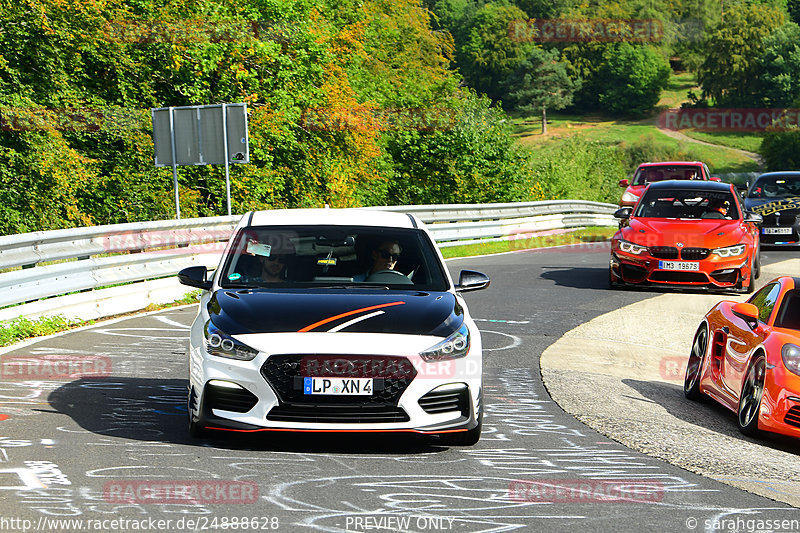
348	313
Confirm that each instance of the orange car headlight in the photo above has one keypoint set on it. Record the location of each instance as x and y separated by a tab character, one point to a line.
632	248
730	251
791	358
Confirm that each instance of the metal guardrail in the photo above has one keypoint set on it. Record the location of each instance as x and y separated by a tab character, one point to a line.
106	270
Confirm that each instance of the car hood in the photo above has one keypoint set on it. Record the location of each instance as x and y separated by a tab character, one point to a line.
246	311
709	233
767	206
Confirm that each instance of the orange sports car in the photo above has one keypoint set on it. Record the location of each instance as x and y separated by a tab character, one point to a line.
688	234
746	356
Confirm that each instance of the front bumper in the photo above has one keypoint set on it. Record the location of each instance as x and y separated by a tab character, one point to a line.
780	405
266	394
713	272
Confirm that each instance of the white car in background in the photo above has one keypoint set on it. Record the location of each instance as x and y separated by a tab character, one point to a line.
302	328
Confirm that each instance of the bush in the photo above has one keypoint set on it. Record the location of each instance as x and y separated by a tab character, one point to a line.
577	169
781	149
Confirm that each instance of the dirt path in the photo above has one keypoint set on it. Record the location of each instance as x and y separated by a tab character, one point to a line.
677	135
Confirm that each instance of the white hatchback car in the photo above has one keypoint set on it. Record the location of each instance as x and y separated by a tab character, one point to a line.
334	320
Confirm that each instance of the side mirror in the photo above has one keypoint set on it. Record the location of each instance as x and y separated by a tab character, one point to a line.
624	213
195	277
715	178
753	218
469	280
747	312
624	183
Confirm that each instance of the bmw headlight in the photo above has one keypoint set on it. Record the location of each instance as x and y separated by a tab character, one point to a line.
453	347
632	248
791	358
223	345
730	251
628	196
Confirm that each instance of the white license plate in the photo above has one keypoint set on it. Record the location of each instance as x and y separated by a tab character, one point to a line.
679	265
776	231
338	386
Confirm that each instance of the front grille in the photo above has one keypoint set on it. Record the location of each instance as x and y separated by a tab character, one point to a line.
338	414
237	400
793	416
391	376
436	402
694	254
673	276
664	252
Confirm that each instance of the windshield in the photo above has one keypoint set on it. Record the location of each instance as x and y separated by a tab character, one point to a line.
677	203
779	186
652	174
326	256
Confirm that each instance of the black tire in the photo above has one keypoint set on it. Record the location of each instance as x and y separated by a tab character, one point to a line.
751	281
757	263
694	367
196	429
750	397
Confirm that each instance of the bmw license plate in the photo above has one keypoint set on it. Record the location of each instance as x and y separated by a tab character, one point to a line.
679	265
776	231
338	386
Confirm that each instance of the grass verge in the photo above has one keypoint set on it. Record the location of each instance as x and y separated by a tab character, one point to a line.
584	235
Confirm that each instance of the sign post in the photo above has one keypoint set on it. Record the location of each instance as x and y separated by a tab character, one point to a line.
201	135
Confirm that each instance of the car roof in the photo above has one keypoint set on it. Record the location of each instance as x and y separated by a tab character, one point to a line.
692	185
669	163
334	217
780	173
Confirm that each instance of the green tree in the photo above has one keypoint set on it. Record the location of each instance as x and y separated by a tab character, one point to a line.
632	77
731	71
541	82
780	65
490	53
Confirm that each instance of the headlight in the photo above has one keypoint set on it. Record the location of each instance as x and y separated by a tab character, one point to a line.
730	251
628	196
631	248
453	347
223	345
791	358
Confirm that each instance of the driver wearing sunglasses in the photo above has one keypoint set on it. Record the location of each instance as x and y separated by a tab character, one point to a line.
384	257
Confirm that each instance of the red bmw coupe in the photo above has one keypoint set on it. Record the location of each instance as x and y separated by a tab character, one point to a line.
746	356
689	234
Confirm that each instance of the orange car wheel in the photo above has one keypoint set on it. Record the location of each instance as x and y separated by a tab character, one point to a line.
750	398
691	382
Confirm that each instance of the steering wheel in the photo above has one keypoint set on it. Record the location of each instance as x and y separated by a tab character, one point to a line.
389	276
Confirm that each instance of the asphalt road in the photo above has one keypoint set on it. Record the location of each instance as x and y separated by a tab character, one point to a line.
116	448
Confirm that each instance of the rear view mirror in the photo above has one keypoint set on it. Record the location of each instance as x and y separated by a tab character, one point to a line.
623	213
470	280
754	218
195	277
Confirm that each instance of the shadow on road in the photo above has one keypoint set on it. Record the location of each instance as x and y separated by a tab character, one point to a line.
706	414
155	410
